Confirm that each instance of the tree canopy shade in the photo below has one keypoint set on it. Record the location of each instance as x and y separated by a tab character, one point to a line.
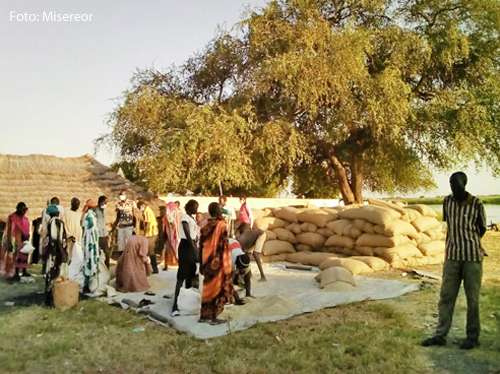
341	95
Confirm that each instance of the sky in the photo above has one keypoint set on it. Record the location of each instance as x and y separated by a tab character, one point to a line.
60	80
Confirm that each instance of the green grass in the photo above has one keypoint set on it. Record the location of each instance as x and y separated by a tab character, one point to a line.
367	337
488	199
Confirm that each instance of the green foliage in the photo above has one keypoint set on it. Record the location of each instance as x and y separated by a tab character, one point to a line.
343	95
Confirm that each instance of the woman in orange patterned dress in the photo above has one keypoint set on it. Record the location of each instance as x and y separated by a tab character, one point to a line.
216	266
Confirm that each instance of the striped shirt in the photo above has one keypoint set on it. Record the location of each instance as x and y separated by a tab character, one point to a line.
466	221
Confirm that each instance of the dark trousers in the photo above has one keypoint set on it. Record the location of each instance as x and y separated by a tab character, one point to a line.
453	273
104	246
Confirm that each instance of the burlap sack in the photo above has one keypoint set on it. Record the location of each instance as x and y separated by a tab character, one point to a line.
338	226
377	264
317	278
334	249
437	259
417	261
424	224
270	235
397	227
311	238
268	223
274	258
338	287
351	231
65	294
386	204
316	258
336	274
372	213
295	228
424	210
364	226
284	234
267	212
276	247
317	216
332	211
423	239
287	213
340	241
432	248
365	251
401	252
435	234
303	247
298	257
308	227
258	213
349	252
325	232
377	240
412	214
354	266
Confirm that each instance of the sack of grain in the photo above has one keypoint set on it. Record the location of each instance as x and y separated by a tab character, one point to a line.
436	259
386	204
66	293
349	252
332	211
354	266
377	240
316	258
417	261
377	264
364	226
303	247
308	227
372	213
351	231
325	232
338	226
432	248
334	249
276	247
412	214
267	212
274	258
258	213
365	251
298	257
339	287
397	227
423	239
295	228
424	210
268	223
287	213
401	252
270	235
426	223
435	234
336	274
311	238
284	234
340	241
317	216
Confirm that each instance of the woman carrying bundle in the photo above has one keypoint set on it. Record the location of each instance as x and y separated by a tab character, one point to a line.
216	266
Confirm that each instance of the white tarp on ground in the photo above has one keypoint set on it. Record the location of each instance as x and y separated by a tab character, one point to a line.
286	293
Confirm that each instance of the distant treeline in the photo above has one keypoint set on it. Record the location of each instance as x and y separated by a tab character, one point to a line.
490	199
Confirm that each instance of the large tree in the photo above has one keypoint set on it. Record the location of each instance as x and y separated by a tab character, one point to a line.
343	95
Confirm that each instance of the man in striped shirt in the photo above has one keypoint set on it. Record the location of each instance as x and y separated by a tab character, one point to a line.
466	220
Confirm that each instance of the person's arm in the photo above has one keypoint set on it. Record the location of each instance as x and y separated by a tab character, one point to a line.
481	220
445	213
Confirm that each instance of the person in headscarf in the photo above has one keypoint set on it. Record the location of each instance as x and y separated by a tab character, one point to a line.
17	231
173	229
134	266
55	251
216	266
90	243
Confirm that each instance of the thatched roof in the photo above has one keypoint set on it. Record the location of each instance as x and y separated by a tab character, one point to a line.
34	179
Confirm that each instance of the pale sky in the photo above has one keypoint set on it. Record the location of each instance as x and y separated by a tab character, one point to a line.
59	79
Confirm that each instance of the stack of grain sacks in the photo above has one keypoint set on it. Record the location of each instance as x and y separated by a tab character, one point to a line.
361	239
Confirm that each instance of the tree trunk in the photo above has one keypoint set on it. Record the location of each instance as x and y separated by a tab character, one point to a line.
342	179
356	180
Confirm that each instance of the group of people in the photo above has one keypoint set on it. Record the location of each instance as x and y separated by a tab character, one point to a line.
71	243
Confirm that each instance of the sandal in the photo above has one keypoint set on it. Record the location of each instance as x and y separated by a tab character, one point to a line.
176	313
149	293
145	302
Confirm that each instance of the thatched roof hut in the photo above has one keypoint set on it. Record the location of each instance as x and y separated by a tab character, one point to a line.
34	179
